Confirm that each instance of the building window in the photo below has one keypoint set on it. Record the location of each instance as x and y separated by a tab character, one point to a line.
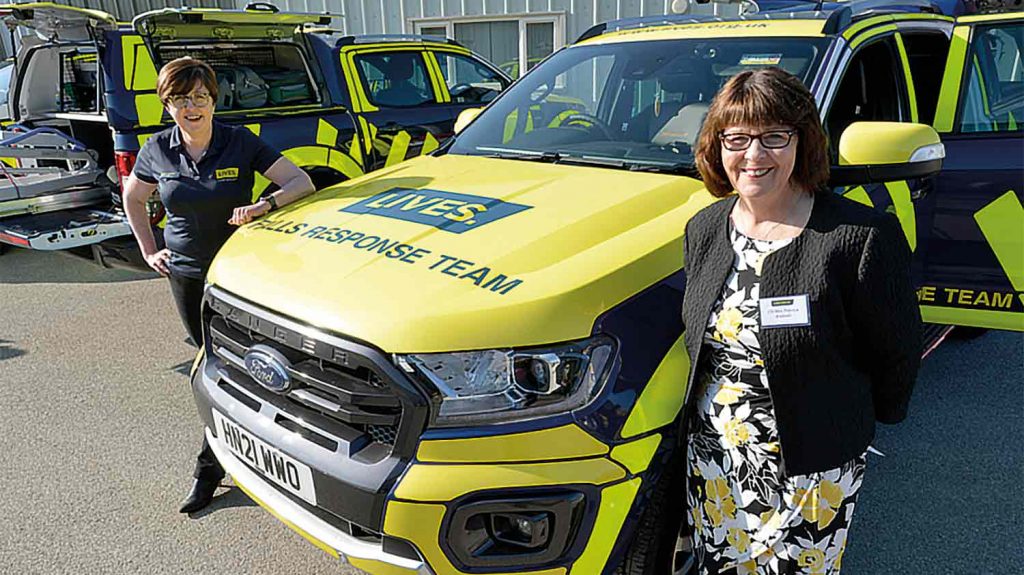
513	43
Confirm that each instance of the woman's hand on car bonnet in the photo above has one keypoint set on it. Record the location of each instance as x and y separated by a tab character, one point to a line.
246	214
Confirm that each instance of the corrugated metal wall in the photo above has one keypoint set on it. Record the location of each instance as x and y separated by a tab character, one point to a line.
125	10
397	16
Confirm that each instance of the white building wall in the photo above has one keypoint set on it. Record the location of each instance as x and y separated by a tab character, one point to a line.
570	19
397	16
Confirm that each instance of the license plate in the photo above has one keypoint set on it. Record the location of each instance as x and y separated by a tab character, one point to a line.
283	470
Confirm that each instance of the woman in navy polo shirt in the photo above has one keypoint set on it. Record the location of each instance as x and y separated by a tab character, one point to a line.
204	173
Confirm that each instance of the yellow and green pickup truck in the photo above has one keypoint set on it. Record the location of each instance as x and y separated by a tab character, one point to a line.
472	362
82	100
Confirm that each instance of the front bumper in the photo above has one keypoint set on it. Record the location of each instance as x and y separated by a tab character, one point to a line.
422	505
349	549
402	515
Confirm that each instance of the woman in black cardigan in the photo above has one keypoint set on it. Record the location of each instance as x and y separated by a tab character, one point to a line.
803	329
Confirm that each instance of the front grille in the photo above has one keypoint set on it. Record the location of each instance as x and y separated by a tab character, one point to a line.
334	393
383	433
349	414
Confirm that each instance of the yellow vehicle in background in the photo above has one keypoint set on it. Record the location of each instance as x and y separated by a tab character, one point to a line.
82	100
472	362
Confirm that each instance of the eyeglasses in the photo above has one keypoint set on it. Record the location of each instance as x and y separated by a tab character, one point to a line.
198	100
773	140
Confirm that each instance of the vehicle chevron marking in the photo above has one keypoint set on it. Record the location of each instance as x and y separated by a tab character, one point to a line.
1002	223
430	144
899	193
860	195
399	147
355	149
326	134
901	204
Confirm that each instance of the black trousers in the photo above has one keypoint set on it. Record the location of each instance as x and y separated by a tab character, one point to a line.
188	296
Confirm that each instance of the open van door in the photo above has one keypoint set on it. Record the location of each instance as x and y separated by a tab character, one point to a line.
258	21
53	190
58	23
974	264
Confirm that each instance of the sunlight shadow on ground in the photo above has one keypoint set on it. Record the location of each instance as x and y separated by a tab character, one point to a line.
8	351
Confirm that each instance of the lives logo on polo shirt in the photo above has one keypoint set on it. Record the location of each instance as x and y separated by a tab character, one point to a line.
227	174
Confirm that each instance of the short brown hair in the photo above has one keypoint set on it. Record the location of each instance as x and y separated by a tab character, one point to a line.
179	76
764	97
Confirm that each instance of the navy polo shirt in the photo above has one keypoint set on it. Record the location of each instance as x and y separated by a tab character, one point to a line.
200	196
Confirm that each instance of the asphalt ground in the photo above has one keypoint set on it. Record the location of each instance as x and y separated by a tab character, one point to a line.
98	434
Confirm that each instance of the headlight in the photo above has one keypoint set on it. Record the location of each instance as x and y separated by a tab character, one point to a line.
503	385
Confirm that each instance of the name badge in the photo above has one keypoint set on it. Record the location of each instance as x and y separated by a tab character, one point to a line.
785	311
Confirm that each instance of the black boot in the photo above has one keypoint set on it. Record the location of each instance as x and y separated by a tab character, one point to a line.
200	496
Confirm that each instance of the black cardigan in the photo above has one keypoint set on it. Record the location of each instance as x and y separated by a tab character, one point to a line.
858	359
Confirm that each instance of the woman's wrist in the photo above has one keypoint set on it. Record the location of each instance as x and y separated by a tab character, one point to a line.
147	251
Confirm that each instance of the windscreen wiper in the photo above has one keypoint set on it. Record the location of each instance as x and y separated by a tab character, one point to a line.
557	158
677	168
522	155
550	157
600	162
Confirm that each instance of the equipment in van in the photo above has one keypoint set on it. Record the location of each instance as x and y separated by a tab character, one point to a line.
78	82
285	86
240	87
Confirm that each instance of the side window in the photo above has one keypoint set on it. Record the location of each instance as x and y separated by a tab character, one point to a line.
395	79
468	80
994	96
926	52
871	91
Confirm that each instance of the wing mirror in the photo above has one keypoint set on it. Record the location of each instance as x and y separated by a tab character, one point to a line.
871	152
465	117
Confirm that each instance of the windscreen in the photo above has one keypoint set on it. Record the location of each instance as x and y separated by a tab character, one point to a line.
625	105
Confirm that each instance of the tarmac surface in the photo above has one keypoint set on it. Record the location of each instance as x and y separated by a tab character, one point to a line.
98	435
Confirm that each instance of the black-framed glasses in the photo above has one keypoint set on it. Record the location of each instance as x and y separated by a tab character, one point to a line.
200	100
772	140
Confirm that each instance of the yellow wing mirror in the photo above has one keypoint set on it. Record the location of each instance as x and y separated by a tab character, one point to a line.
465	117
872	152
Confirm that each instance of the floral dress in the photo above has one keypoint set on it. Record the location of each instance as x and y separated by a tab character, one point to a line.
747	515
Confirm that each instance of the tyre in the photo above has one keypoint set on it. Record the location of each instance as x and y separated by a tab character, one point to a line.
660	545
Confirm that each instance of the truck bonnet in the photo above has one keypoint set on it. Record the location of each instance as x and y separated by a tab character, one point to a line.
457	252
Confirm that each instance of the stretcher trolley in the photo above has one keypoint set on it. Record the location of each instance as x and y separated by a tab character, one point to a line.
48	198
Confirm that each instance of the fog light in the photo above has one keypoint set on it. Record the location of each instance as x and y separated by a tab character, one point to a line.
524	533
527	531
